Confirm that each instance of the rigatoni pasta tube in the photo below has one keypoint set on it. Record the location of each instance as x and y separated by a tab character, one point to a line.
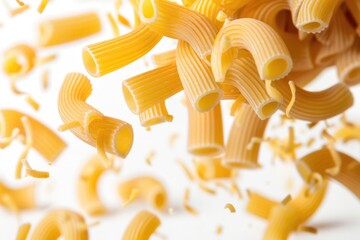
211	168
107	56
246	126
209	9
348	64
230	92
231	4
270	53
44	141
23	231
142	226
321	160
178	22
62	30
315	106
150	189
61	223
87	123
150	88
19	60
244	76
18	198
87	186
154	115
205	132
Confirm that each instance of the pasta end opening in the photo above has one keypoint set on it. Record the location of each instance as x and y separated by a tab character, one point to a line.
124	140
275	68
207	101
268	109
312	27
130	100
148	9
90	63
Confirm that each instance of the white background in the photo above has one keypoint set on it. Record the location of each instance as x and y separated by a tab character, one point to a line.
337	218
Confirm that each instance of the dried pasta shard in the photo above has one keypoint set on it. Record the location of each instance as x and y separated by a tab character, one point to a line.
61	223
23	231
42	5
142	226
155	115
62	30
32	102
113	24
230	207
147	188
116	136
348	64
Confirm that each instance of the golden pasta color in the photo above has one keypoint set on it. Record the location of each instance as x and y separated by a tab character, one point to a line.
19	60
87	123
142	226
61	223
16	199
23	231
212	168
348	64
149	189
62	30
154	115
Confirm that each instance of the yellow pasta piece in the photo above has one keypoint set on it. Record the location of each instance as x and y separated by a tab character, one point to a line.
236	105
62	30
164	58
110	55
210	10
155	115
45	79
259	206
186	205
123	20
148	189
61	223
19	10
205	132
23	231
286	200
230	92
187	171
321	160
150	88
186	25
348	64
105	133
348	132
16	199
315	15
315	106
231	5
32	102
132	197
219	230
246	126
42	5
20	3
212	168
113	24
308	229
254	36
142	226
244	76
19	60
230	207
34	173
87	192
44	141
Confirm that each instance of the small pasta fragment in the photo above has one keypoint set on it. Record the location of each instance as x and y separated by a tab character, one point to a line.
61	223
113	24
230	207
147	188
133	196
62	30
42	5
186	205
23	231
35	105
212	168
142	226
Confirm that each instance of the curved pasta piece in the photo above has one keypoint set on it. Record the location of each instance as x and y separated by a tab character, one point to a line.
142	226
155	115
254	36
230	92
246	126
149	189
348	64
178	22
303	78
232	5
205	132
315	15
244	76
315	106
19	60
259	205
44	141
16	199
348	132
212	168
209	9
321	160
165	58
150	88
87	186
61	223
107	56
87	123
62	30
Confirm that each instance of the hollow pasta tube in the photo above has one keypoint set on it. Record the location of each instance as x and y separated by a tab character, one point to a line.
19	60
348	64
155	115
142	226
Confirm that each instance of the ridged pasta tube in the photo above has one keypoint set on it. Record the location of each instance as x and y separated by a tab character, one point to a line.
150	189
19	60
178	22
87	123
44	141
270	53
107	56
142	226
348	64
321	160
315	106
246	126
155	115
211	168
16	199
205	132
62	30
231	4
61	223
150	88
165	58
244	76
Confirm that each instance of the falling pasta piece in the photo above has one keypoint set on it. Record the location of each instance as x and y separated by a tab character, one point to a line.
133	196
211	168
142	226
308	229
219	230
230	207
123	20
19	10
42	5
23	231
186	170
286	200
32	102
149	158
19	60
113	24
